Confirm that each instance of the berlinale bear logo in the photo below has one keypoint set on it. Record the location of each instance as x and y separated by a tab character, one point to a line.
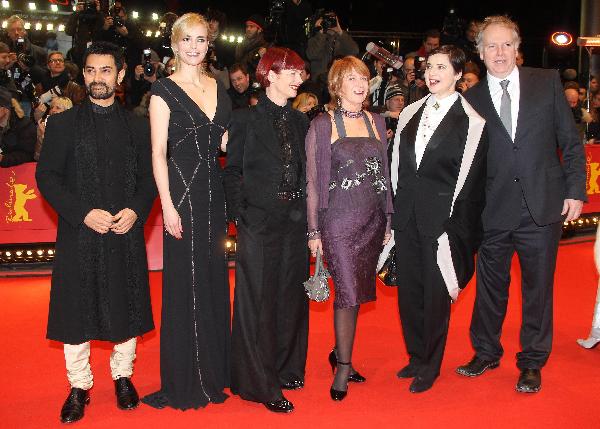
18	197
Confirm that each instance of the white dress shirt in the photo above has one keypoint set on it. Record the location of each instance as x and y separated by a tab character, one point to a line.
430	120
514	91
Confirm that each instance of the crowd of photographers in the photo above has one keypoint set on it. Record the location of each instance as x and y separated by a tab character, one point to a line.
36	82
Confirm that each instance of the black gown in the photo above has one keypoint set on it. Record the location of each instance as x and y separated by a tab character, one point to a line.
195	320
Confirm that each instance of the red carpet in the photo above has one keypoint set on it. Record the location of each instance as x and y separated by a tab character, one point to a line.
34	384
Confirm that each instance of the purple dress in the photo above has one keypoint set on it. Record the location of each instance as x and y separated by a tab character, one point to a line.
354	221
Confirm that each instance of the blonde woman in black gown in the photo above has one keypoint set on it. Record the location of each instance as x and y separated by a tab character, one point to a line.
188	115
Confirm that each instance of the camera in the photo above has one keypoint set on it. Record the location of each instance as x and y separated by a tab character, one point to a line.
117	20
419	72
149	69
22	56
328	21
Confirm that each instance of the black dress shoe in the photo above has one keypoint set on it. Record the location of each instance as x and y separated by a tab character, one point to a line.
409	371
127	396
353	378
420	384
337	395
530	381
293	384
477	367
280	406
72	409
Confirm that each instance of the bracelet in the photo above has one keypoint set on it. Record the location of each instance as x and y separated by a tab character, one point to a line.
312	233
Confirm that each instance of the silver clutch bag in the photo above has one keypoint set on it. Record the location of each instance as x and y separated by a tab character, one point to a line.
317	287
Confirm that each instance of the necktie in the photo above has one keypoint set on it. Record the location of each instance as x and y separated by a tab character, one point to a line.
505	115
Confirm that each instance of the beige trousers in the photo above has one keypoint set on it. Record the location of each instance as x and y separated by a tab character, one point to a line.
77	359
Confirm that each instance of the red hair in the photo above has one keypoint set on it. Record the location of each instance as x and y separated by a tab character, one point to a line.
277	59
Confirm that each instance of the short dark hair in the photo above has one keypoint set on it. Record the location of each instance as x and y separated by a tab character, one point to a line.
4	49
456	56
238	67
216	15
434	33
105	48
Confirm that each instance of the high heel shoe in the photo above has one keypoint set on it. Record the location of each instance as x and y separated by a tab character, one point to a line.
338	395
592	341
354	378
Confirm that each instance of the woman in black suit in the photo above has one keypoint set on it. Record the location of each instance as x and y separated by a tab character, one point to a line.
438	177
264	185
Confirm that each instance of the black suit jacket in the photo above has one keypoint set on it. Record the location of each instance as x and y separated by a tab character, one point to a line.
254	167
531	167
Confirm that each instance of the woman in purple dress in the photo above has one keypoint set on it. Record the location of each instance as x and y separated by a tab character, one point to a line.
349	204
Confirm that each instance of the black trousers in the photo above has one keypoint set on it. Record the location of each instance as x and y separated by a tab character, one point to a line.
536	248
423	300
270	311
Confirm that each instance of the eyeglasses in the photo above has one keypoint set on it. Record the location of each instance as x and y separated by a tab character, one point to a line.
56	60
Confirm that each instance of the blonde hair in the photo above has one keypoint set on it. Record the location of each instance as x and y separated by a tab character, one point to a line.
17	108
338	70
502	20
302	100
14	18
182	23
63	102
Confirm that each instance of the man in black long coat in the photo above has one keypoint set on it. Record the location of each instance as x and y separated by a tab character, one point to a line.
95	170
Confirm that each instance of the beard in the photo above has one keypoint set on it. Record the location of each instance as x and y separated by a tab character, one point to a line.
100	90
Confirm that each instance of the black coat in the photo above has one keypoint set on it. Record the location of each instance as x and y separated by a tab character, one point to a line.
115	305
254	167
530	167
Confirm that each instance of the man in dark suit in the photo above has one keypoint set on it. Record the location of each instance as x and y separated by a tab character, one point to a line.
529	193
95	170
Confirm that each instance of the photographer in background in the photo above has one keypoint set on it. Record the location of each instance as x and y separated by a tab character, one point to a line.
118	29
414	87
162	44
26	62
81	26
254	45
240	88
144	75
17	132
220	54
329	41
5	74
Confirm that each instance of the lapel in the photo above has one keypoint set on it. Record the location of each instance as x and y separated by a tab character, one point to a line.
486	108
441	132
409	136
526	99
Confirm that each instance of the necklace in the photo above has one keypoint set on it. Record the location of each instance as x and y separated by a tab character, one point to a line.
349	114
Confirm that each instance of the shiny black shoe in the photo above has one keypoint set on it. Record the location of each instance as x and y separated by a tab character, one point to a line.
339	395
353	378
477	367
127	396
420	384
530	381
294	384
279	406
73	408
409	371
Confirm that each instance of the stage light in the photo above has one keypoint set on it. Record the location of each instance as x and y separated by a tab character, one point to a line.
231	39
224	37
38	26
5	4
54	7
154	16
561	38
18	253
240	39
4	24
149	33
29	253
27	25
157	34
8	254
135	14
50	27
61	27
50	252
32	6
40	252
74	8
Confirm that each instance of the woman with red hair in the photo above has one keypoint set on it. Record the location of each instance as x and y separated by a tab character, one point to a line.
264	185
